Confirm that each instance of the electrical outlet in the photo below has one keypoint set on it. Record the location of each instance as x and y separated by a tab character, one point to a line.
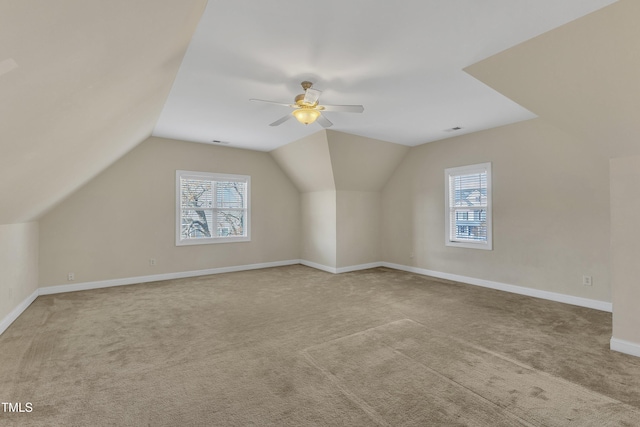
411	255
152	261
71	277
586	280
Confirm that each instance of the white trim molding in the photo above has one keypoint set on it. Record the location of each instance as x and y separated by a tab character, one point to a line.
48	290
626	347
339	270
616	344
58	289
16	312
536	293
358	267
319	266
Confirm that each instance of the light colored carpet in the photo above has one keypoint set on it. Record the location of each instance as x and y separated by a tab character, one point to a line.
451	380
294	346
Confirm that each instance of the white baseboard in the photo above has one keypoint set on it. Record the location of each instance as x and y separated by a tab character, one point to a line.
318	266
552	296
339	270
618	345
359	267
16	312
48	290
521	290
626	347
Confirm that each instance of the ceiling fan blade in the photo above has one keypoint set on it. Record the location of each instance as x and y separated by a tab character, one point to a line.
281	120
311	96
342	108
276	103
324	122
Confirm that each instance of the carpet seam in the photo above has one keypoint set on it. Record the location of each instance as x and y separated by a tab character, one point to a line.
451	381
376	329
524	366
364	406
354	334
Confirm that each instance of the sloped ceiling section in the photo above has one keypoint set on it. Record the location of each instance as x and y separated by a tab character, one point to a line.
307	162
82	83
331	160
584	77
362	164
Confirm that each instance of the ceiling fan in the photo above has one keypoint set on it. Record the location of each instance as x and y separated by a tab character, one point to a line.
306	108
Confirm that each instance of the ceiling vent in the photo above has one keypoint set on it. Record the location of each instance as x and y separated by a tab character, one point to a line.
455	129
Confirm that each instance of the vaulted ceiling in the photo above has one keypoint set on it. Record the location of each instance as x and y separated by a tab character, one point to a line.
84	81
402	60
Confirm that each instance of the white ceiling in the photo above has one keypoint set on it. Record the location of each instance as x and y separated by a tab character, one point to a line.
403	61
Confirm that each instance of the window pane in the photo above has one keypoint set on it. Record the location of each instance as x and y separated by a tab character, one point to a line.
212	208
469	190
196	193
468	217
196	224
230	223
230	194
469	224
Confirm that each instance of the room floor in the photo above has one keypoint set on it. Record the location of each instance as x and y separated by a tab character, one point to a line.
294	346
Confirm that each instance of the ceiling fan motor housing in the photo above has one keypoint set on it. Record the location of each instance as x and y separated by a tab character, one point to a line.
306	108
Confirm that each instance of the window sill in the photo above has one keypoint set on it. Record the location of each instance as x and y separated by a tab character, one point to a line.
212	241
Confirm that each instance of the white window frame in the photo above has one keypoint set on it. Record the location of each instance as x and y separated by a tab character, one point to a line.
206	176
450	240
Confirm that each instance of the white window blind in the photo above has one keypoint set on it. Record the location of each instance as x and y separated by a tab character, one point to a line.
212	208
468	206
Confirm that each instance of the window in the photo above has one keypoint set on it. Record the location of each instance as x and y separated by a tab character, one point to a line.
468	206
212	208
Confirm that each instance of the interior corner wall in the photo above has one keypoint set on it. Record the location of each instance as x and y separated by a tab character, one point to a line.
340	177
112	226
550	210
318	232
358	227
18	264
625	235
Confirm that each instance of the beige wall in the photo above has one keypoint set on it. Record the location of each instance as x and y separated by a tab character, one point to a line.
112	226
340	177
550	210
357	227
625	238
18	264
582	76
318	233
341	228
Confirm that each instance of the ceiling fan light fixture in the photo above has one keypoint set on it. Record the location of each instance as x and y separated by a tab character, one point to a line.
306	116
306	108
